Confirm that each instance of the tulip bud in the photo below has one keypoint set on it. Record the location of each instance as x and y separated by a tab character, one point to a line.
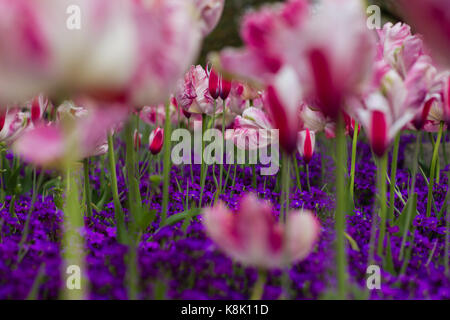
280	120
187	114
421	118
137	140
156	141
38	107
350	125
225	88
3	113
214	84
306	142
378	134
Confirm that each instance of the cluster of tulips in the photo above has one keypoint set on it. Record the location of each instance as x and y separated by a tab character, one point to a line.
304	70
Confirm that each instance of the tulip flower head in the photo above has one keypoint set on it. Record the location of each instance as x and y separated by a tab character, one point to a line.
306	143
330	51
403	81
237	102
156	141
283	102
38	107
3	113
225	88
214	84
137	138
77	135
253	237
193	92
13	123
218	85
127	51
399	48
210	11
252	130
431	18
316	121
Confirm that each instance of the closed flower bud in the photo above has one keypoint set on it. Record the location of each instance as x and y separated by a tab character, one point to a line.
156	141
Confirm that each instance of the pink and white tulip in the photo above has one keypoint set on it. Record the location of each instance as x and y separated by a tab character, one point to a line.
330	51
432	19
283	101
253	237
131	51
399	96
254	126
84	135
210	13
316	121
306	144
399	48
193	93
38	107
156	141
13	123
137	140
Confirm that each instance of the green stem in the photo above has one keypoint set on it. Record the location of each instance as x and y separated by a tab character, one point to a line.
444	146
26	228
190	157
223	151
307	177
353	163
118	211
284	186
167	166
434	159
133	185
87	187
203	167
341	160
72	241
136	212
234	179
225	184
297	172
447	234
254	176
393	177
258	288
2	163
382	169
411	192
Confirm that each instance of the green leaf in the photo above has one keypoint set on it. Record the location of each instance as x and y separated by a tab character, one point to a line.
146	219
352	241
402	221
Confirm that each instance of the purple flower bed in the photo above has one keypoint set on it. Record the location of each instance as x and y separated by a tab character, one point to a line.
179	264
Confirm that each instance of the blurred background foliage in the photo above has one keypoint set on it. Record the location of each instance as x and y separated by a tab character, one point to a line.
227	32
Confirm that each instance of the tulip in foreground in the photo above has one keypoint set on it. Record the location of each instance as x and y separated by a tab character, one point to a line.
331	51
51	144
253	237
132	51
432	19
